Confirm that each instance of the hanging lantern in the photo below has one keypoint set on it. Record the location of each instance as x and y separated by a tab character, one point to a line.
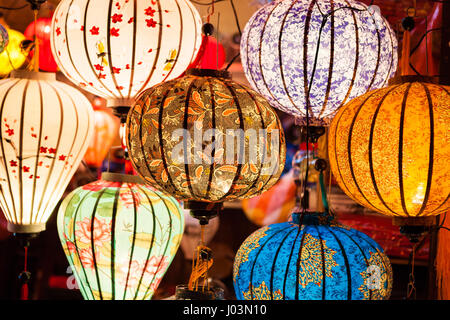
389	149
206	138
317	54
106	130
45	130
119	236
116	49
213	56
4	38
43	28
13	57
311	258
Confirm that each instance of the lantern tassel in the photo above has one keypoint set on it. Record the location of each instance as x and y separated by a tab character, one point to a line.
442	261
201	264
24	277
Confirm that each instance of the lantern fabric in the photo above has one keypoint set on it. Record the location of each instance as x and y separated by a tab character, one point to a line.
206	138
105	132
43	28
120	237
13	57
389	149
311	258
117	49
4	38
45	130
356	51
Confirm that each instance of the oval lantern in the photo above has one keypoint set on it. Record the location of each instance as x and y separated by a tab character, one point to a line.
45	130
105	132
389	149
206	138
118	49
4	38
350	47
119	236
13	57
43	28
311	258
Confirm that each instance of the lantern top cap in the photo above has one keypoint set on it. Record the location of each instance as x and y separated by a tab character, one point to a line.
412	78
124	178
313	218
32	75
209	73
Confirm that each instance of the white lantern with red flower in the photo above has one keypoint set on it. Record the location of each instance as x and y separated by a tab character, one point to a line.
45	128
120	237
118	48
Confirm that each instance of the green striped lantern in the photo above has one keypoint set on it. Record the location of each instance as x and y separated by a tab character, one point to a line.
119	236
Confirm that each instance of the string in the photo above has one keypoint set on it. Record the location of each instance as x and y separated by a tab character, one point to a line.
36	43
412	280
24	276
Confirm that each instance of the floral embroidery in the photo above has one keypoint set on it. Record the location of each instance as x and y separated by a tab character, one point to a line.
94	30
380	282
262	293
102	231
116	18
150	12
151	23
115	32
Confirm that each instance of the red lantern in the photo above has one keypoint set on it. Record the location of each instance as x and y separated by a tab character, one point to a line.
43	28
213	55
105	132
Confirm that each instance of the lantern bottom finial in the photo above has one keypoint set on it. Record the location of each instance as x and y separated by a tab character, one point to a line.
26	228
203	211
414	228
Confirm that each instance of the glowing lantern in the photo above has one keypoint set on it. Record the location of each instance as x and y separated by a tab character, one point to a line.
45	130
13	56
106	130
43	28
311	258
206	138
4	38
389	149
119	236
349	50
118	49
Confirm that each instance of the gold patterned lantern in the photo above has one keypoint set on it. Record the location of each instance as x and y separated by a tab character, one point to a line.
206	138
389	149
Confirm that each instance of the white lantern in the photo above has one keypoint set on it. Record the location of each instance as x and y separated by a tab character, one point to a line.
350	47
45	129
117	48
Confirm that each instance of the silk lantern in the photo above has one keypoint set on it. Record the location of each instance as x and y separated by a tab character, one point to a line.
45	130
389	149
42	26
116	49
206	138
119	236
106	130
311	258
13	57
318	55
4	38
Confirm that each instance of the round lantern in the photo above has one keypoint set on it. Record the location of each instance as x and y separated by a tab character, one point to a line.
4	38
117	49
311	258
45	130
13	56
120	237
41	30
317	54
389	149
206	138
105	132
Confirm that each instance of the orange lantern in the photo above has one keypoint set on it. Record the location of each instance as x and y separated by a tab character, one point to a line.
106	129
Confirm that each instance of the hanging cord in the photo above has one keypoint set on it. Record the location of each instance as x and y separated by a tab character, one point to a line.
411	291
236	19
36	44
24	276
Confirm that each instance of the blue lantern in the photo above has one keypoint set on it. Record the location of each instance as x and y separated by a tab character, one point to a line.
311	257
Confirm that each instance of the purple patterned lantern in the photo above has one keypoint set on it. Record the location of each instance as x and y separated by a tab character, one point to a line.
355	47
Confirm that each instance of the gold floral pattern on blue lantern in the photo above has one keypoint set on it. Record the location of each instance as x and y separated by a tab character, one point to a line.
262	293
374	277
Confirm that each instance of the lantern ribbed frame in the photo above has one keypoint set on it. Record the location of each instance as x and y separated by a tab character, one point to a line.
357	52
389	149
45	130
119	236
210	100
311	258
118	49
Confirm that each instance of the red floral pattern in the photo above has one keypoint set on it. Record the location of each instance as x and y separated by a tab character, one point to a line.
102	231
